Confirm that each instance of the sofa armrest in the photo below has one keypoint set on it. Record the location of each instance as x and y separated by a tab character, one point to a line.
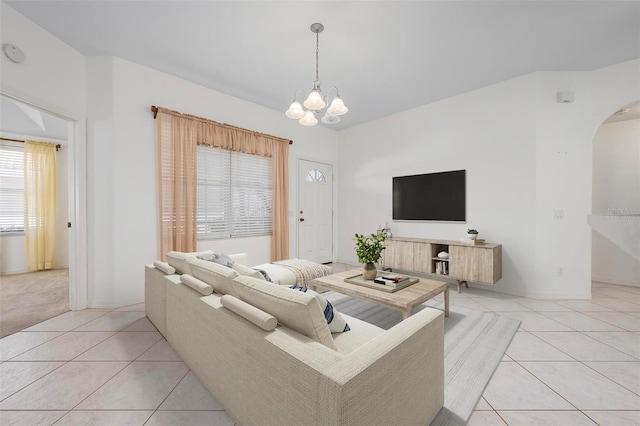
155	297
397	378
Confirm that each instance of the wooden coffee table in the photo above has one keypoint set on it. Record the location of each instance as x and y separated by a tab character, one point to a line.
403	300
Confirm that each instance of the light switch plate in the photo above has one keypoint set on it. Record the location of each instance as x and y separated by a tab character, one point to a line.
558	214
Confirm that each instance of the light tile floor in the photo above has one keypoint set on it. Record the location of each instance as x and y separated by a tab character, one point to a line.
571	363
100	367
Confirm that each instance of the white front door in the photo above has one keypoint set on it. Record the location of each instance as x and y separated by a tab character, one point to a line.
315	211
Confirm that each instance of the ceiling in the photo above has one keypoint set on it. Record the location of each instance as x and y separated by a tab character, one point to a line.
385	56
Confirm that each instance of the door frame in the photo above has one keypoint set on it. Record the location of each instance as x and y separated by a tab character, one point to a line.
333	201
77	190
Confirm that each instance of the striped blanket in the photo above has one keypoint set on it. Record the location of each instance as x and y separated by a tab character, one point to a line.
305	270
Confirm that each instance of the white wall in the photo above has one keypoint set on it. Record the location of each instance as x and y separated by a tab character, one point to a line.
564	143
525	156
122	155
52	77
101	191
616	191
489	132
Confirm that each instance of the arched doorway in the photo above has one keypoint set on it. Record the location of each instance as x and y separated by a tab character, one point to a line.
615	218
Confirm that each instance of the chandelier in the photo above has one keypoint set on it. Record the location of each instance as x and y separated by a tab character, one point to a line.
316	103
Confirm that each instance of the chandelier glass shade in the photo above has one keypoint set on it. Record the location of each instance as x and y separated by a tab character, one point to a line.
316	103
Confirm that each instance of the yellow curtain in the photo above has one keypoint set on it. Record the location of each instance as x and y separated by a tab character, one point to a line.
40	204
217	135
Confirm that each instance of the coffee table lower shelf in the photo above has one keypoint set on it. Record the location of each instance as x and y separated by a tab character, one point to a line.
403	300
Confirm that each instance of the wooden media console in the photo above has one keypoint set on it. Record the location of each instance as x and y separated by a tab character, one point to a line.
480	263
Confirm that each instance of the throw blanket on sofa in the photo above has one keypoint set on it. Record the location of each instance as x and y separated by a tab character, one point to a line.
305	270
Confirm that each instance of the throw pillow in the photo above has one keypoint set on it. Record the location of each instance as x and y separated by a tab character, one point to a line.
221	259
335	320
245	270
264	274
217	276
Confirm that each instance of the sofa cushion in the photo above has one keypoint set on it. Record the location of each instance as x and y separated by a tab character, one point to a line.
360	334
179	260
335	320
164	267
296	310
221	259
260	318
242	258
199	286
217	276
245	270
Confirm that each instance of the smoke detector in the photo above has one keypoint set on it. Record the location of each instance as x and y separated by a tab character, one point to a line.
622	111
14	53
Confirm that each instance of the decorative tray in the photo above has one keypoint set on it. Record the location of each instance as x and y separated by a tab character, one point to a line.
389	288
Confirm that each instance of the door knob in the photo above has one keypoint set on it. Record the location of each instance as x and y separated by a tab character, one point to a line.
302	219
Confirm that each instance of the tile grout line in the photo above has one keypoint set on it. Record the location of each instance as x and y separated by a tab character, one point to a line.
166	397
30	383
541	381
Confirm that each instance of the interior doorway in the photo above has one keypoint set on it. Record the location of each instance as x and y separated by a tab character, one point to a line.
615	218
315	211
31	297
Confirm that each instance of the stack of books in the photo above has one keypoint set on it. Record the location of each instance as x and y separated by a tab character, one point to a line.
391	280
476	242
442	268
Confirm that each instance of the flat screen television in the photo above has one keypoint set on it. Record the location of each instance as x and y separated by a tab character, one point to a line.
432	196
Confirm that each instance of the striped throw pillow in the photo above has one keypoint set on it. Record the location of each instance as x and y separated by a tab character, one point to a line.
335	320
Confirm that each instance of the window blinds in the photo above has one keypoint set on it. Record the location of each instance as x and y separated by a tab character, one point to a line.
235	194
11	188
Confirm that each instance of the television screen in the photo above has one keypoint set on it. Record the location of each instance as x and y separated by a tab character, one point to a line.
432	196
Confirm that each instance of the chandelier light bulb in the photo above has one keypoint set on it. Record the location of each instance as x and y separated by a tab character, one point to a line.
309	119
314	100
337	107
295	111
330	118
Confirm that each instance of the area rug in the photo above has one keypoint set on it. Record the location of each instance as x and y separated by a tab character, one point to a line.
474	344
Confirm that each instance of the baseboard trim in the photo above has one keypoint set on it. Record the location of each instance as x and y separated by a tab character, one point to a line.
103	304
615	282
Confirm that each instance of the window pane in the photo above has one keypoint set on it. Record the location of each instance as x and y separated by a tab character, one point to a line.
252	194
235	195
213	206
315	176
11	188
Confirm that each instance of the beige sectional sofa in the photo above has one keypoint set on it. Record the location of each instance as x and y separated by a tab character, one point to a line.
296	372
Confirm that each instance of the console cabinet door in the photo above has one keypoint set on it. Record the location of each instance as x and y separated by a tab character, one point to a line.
422	258
399	255
471	264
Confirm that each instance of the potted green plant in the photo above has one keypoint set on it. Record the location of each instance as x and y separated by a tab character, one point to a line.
472	233
369	250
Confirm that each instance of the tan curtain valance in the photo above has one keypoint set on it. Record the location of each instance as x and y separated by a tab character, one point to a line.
225	136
